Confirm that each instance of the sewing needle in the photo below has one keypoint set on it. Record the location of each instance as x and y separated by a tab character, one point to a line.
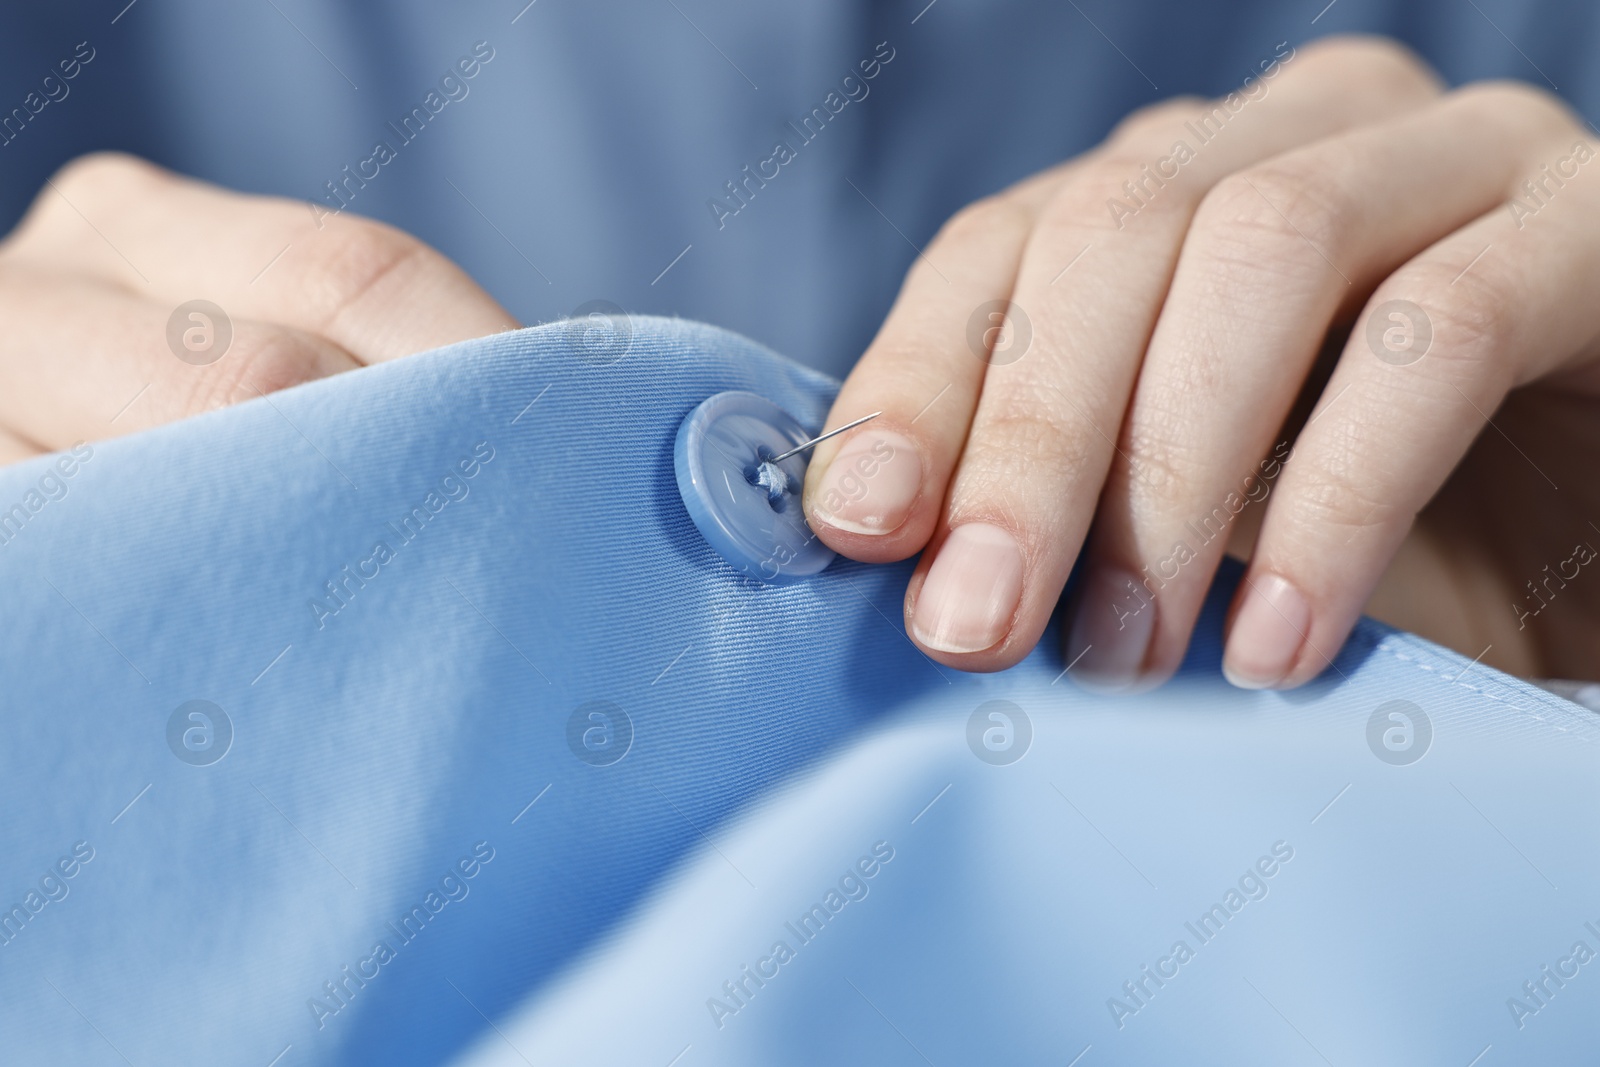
818	440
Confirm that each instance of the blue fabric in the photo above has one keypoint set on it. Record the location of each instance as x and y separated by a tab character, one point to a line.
406	752
579	163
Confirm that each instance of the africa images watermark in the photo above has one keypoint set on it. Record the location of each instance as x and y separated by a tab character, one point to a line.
599	733
854	88
853	885
199	733
1254	489
1537	993
999	732
343	587
851	486
1252	885
1538	192
453	88
1204	130
1399	732
453	887
52	889
51	486
1582	554
54	90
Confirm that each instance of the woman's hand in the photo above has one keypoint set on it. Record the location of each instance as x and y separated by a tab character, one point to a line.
1157	372
98	281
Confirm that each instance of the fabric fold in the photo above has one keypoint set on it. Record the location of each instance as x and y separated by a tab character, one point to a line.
386	715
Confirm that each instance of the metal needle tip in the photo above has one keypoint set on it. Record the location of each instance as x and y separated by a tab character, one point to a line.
818	440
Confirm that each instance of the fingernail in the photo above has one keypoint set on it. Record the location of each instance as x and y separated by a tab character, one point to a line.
1111	630
972	590
871	484
1267	633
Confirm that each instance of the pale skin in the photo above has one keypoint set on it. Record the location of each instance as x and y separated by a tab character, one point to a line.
1168	352
112	245
1172	365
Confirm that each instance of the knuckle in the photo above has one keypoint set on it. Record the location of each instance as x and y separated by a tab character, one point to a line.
1159	468
100	174
1379	64
1336	500
1468	325
1024	436
261	359
95	184
1281	214
982	219
1161	458
1471	316
1524	105
1154	120
350	259
1084	200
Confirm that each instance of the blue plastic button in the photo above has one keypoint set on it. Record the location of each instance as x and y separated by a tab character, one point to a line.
747	508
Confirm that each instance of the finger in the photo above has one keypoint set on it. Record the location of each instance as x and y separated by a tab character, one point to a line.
15	448
1044	429
369	288
876	494
1390	434
1273	254
81	361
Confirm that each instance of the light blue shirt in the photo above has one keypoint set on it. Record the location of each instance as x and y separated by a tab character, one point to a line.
439	734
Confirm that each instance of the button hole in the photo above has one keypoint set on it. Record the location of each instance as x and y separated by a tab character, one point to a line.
770	478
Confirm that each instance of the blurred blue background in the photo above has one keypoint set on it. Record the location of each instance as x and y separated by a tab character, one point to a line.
584	153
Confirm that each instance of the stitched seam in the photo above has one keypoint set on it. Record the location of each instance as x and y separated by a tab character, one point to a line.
1385	647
